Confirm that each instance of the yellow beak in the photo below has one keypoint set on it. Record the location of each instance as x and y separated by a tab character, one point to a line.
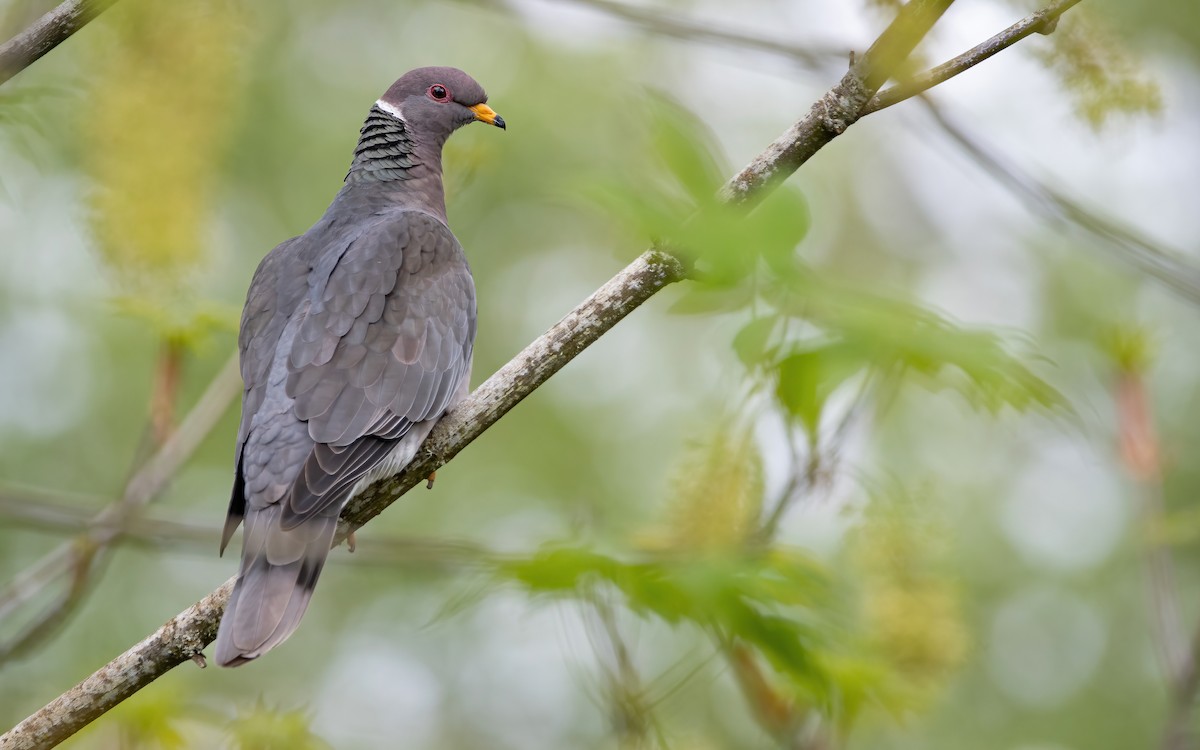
484	113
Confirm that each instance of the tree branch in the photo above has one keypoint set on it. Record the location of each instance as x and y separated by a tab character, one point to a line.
1042	22
841	106
46	33
185	636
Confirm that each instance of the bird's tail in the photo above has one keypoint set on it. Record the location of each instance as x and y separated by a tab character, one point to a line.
280	567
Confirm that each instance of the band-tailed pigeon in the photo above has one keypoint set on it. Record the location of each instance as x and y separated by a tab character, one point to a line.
355	339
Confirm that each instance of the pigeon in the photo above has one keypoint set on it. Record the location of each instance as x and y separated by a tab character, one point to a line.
355	339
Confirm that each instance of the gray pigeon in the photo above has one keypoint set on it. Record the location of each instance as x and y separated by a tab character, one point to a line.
355	339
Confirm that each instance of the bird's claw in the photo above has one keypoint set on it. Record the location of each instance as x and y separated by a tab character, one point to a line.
351	544
429	480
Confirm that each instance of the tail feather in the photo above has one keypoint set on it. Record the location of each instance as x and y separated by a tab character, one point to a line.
279	571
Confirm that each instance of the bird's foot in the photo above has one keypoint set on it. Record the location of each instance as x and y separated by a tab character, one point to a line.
351	544
429	481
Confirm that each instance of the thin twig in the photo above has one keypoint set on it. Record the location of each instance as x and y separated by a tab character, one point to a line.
821	461
81	564
841	106
633	715
1041	22
1141	457
42	510
32	580
78	556
675	25
46	33
1180	734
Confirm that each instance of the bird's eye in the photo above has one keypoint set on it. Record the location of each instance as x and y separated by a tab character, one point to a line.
439	93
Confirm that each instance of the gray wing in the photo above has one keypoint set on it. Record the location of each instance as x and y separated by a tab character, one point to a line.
387	345
278	285
382	343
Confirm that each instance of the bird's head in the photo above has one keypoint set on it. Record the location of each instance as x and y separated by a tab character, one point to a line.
437	101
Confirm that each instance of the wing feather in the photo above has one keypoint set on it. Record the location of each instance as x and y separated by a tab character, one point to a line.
399	361
347	344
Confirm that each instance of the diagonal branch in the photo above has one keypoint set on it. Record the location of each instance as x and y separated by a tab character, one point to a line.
184	637
46	33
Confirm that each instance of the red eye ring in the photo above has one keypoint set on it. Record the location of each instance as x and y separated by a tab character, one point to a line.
439	93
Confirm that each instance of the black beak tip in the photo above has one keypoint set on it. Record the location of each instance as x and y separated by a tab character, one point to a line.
499	122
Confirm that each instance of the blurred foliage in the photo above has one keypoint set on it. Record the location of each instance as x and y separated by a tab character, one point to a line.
912	613
264	728
1100	72
158	117
741	597
22	118
807	502
154	722
1130	347
809	333
716	494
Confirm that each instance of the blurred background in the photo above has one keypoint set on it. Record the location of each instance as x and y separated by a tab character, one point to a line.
910	465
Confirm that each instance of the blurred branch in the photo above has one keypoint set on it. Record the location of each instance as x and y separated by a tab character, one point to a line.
680	27
1180	733
1042	22
166	389
79	559
821	462
39	509
1140	452
632	713
46	33
1141	457
1166	266
79	556
793	725
803	478
185	636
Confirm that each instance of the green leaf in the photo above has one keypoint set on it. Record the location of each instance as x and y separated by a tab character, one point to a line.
720	245
773	603
892	335
781	223
806	378
750	343
688	150
697	299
